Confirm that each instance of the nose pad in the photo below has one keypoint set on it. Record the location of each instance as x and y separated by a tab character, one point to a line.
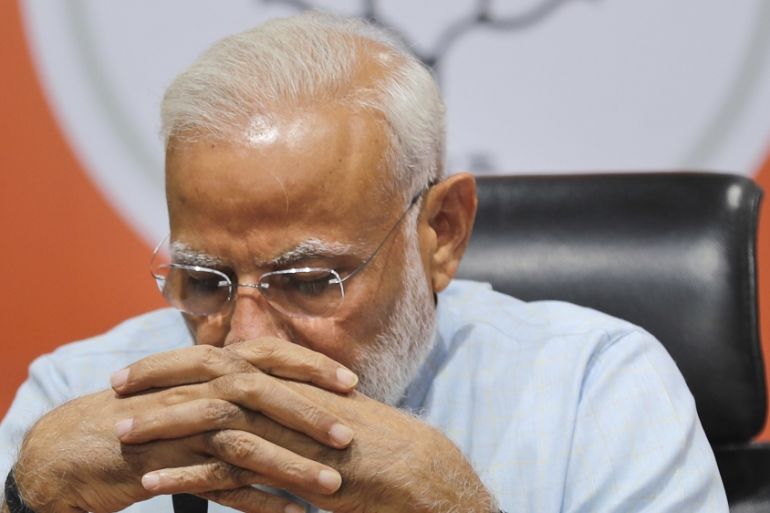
252	317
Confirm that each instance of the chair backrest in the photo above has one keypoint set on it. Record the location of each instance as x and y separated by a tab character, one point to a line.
671	252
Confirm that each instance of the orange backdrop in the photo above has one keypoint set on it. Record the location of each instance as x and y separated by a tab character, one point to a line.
80	261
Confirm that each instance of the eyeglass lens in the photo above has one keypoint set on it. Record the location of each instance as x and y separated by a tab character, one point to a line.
304	292
294	292
192	289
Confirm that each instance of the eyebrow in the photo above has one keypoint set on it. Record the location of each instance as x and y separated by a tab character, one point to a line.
311	248
182	253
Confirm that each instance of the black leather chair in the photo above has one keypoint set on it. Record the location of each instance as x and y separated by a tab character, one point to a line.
672	252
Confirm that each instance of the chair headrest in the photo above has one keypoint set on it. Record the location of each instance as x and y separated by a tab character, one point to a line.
671	252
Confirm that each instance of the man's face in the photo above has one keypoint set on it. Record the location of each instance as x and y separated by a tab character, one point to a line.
308	179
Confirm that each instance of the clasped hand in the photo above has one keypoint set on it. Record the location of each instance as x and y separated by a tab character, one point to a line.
215	421
238	407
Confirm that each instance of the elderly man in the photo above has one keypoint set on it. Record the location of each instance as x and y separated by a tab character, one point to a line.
324	358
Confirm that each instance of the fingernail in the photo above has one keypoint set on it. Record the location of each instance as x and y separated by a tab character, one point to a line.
119	378
341	434
330	479
294	508
151	481
346	378
123	426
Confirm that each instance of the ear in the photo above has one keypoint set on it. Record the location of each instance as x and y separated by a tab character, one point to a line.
445	226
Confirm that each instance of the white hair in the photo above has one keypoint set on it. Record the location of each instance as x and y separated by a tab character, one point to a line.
312	58
390	363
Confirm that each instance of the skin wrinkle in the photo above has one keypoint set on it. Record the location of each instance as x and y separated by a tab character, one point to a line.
283	188
263	131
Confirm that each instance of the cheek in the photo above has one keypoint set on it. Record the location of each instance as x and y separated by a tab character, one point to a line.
346	337
367	310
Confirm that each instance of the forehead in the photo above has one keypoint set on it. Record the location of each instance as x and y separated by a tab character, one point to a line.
318	173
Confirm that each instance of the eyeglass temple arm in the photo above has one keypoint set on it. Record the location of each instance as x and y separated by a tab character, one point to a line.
412	203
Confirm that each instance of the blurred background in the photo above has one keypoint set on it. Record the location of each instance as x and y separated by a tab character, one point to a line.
532	86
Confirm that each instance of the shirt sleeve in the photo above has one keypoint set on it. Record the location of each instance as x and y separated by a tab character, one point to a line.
44	389
638	444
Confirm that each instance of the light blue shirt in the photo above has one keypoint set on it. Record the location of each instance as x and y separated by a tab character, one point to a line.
559	408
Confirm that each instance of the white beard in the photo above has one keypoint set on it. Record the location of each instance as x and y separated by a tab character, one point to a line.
391	362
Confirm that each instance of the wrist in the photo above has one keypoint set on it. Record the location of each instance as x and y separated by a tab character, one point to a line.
446	482
43	472
13	502
31	497
41	484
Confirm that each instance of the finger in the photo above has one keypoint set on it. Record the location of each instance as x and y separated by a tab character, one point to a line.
188	480
194	364
190	418
287	360
205	407
244	459
251	500
278	466
273	398
181	424
208	414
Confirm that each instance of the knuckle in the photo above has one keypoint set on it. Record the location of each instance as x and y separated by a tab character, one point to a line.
233	446
240	356
218	473
262	354
209	356
261	385
303	474
320	365
319	361
174	395
187	475
154	364
227	474
216	442
312	415
246	385
241	450
247	390
267	350
240	365
219	413
224	385
253	386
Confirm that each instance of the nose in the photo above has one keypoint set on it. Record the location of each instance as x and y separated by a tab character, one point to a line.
252	317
